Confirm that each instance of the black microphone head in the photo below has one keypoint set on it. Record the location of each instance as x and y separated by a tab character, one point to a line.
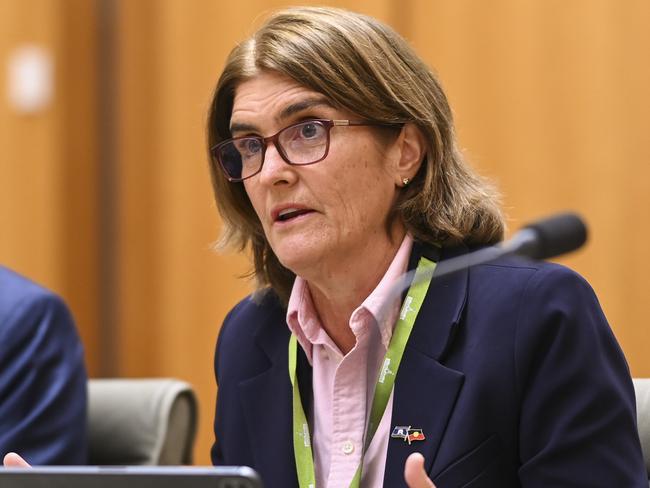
556	235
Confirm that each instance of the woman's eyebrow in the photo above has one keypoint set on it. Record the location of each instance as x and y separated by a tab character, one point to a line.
286	112
242	127
303	105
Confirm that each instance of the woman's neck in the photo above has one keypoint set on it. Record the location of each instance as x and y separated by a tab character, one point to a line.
343	288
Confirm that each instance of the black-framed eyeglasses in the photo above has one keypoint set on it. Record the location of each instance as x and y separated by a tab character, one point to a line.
300	144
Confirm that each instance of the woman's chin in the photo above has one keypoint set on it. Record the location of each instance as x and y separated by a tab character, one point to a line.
299	263
300	258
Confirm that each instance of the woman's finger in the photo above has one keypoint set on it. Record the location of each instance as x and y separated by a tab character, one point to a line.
414	473
13	460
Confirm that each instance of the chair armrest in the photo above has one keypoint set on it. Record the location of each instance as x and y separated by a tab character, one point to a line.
141	421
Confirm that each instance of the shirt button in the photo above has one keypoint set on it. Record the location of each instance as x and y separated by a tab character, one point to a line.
348	447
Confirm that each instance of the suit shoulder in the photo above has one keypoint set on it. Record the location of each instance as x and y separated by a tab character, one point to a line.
246	318
549	300
17	288
531	291
23	301
531	273
252	322
246	315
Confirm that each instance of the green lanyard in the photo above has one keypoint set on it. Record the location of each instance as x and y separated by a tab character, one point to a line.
390	365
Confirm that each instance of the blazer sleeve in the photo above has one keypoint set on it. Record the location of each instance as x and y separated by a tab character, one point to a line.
232	360
42	380
216	452
577	408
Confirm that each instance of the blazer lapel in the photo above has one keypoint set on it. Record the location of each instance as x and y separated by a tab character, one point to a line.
266	404
425	390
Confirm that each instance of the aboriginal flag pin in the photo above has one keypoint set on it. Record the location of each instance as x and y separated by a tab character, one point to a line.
407	433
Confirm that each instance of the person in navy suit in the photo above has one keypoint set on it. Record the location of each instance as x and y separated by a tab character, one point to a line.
42	376
334	160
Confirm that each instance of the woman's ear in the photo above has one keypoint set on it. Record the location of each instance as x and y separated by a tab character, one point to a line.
412	148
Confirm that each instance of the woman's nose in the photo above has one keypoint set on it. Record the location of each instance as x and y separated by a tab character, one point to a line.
274	168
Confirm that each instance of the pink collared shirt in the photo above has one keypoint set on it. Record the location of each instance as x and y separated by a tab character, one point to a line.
343	386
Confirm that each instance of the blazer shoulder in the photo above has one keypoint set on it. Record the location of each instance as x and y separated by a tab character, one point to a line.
17	289
252	333
532	275
244	318
531	299
24	305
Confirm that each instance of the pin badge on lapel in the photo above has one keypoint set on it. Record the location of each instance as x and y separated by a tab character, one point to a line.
407	433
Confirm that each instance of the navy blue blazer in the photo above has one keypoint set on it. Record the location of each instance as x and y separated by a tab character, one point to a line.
42	376
511	371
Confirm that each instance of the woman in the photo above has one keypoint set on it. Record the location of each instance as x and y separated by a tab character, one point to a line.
334	157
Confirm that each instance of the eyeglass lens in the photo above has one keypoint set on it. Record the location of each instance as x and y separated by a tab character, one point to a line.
302	143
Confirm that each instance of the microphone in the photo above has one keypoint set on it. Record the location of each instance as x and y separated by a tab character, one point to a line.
549	237
543	239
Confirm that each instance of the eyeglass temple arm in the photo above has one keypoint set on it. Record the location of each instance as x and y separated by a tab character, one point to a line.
349	122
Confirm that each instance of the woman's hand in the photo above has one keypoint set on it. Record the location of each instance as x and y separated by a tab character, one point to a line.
414	473
13	460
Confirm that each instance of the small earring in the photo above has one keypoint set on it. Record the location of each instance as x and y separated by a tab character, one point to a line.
406	181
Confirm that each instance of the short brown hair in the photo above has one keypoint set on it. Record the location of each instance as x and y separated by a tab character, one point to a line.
365	67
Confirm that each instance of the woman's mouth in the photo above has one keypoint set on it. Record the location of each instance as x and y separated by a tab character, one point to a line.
291	213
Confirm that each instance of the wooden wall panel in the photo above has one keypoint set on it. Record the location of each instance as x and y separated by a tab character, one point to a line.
79	163
48	164
30	214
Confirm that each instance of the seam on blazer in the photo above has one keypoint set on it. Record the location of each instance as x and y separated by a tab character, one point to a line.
520	266
520	318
